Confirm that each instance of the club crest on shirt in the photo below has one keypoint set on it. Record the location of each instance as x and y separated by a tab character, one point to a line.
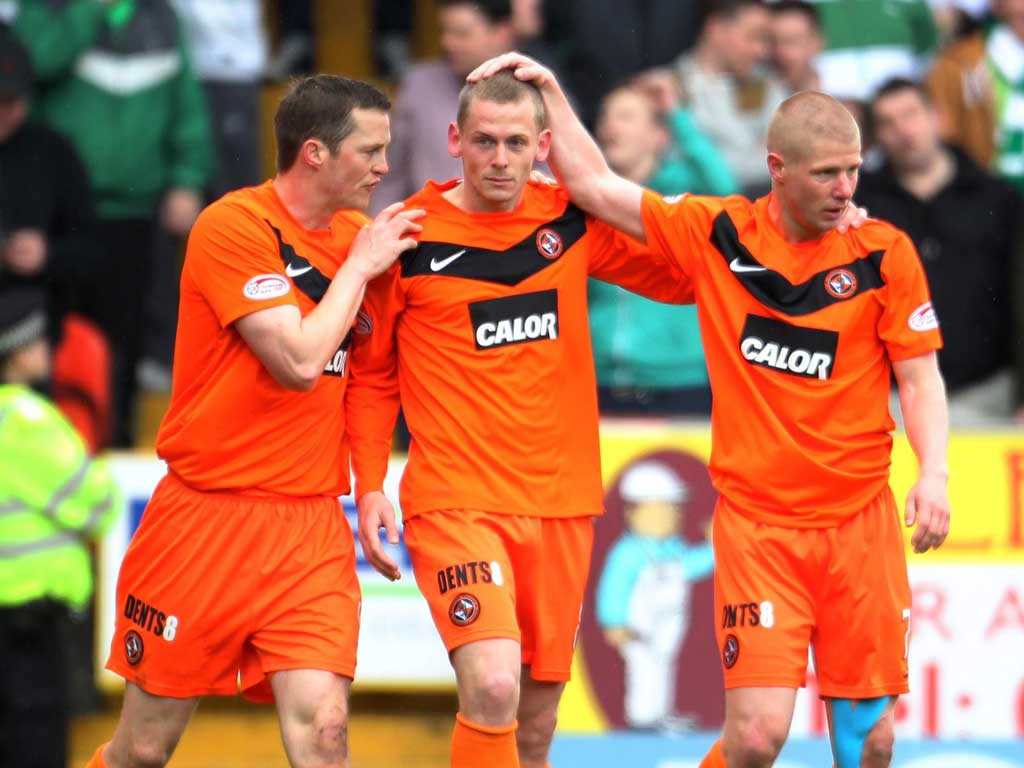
549	243
464	610
730	651
841	283
133	647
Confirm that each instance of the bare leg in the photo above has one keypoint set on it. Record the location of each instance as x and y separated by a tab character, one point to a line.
149	729
312	707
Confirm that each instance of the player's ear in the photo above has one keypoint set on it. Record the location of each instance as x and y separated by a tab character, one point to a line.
543	145
776	166
313	153
454	140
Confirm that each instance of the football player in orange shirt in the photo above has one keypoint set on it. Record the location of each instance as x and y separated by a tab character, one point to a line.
244	565
803	326
483	331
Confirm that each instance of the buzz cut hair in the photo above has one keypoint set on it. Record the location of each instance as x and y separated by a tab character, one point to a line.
501	88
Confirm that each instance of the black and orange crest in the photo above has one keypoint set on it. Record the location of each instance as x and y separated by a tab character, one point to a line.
549	244
730	651
464	610
841	283
133	647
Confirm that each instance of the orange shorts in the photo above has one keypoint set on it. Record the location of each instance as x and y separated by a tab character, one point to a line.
842	590
217	585
488	576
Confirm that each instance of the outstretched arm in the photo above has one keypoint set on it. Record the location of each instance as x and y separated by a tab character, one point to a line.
575	157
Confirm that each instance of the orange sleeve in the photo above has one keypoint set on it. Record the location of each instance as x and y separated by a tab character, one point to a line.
617	258
372	397
908	325
234	259
677	227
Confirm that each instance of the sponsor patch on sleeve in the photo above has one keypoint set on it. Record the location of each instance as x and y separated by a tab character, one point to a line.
264	287
923	318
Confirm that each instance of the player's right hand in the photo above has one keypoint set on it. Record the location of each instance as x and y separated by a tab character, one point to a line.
376	512
523	66
377	245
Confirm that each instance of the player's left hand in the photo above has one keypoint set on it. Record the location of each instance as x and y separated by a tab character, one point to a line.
928	506
854	216
376	512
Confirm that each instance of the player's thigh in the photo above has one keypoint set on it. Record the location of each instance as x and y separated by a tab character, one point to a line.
305	613
149	726
462	568
764	602
551	578
182	595
863	613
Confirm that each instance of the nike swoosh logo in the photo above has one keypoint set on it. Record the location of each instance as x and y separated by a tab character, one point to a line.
293	272
736	266
437	266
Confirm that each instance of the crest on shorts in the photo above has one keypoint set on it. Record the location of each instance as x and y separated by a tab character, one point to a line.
549	243
840	283
464	610
730	651
133	647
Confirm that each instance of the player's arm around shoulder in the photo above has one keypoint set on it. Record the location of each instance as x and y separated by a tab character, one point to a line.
295	348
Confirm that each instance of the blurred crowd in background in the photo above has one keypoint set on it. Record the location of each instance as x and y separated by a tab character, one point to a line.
120	119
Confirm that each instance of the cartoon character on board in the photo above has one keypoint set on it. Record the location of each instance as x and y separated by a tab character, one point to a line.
643	596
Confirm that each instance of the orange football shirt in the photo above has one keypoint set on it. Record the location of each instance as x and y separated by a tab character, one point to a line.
230	425
486	323
799	339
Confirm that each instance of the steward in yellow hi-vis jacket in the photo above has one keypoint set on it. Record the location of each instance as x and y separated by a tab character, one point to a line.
54	498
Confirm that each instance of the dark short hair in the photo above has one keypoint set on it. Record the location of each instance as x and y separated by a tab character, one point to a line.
501	88
495	10
802	7
897	84
728	9
320	107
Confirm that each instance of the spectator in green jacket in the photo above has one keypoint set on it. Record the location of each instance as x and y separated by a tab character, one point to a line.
648	356
115	78
53	500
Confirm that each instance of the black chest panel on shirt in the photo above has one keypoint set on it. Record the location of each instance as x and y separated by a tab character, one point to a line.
773	290
314	284
307	278
511	266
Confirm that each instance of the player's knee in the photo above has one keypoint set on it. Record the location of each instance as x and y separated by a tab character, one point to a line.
534	734
757	741
147	753
330	734
878	745
495	697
